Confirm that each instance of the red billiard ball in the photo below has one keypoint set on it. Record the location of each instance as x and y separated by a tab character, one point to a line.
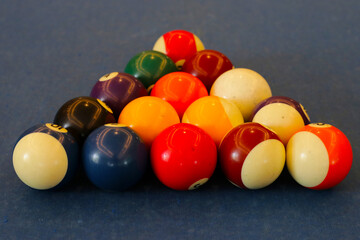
183	157
251	156
46	156
245	87
148	116
319	156
207	65
180	89
117	89
284	115
179	45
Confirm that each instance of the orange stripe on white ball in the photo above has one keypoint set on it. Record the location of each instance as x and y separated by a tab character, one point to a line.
232	111
307	159
281	118
264	164
40	161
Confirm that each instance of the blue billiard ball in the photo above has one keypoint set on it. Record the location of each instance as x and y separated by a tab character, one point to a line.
45	156
114	157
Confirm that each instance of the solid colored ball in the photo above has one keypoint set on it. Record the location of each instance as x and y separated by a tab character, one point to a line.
252	156
319	156
183	157
149	66
82	115
214	115
148	116
179	45
46	157
117	89
245	87
207	65
179	89
284	115
114	157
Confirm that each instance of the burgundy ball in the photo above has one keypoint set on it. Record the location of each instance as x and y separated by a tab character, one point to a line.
117	90
207	65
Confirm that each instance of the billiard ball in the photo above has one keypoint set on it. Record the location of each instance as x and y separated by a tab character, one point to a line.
149	66
148	116
319	156
282	114
114	157
207	65
214	115
245	87
117	89
251	156
81	115
179	45
46	157
179	89
183	157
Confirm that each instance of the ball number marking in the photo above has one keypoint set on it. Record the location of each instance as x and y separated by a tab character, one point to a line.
56	127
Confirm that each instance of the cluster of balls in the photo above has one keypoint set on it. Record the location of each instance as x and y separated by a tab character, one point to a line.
183	110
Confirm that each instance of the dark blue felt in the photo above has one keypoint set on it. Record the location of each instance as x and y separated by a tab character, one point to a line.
52	51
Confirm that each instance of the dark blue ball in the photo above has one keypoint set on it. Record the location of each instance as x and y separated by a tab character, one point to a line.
114	157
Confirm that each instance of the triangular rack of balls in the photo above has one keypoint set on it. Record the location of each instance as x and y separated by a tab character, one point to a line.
182	109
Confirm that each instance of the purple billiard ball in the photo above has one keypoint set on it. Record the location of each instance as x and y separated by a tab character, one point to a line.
282	114
118	89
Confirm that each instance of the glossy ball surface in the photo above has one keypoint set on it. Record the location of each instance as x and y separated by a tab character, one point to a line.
252	156
179	89
179	45
183	157
284	115
207	65
114	157
45	157
149	66
214	115
82	115
245	87
319	156
148	116
117	89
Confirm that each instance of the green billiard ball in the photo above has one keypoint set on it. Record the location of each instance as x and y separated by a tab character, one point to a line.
149	66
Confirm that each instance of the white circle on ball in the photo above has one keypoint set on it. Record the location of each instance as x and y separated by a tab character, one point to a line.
40	161
108	76
198	183
307	159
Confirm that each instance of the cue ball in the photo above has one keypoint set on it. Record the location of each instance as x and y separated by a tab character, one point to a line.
149	66
114	157
252	156
148	116
117	89
284	115
245	87
180	89
183	157
214	115
179	45
46	156
319	156
82	115
207	65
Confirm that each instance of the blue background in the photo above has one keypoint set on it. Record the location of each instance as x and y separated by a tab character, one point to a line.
52	51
